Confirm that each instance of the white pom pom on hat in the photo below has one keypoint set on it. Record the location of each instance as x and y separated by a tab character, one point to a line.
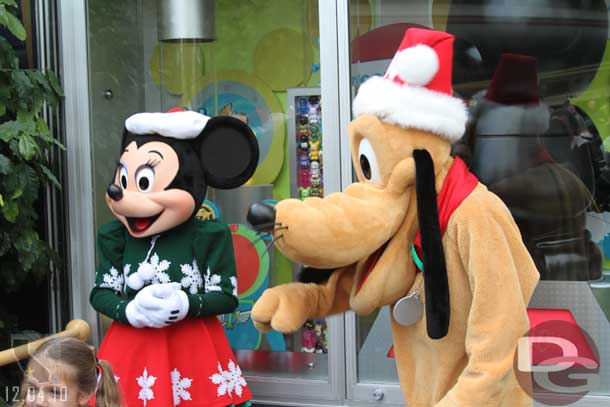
417	65
181	125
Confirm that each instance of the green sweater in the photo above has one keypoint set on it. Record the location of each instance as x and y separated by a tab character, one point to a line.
197	254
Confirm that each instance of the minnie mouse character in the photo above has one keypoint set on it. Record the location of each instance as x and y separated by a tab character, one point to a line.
163	275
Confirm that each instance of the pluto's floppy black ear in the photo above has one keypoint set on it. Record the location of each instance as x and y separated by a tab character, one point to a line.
229	152
436	284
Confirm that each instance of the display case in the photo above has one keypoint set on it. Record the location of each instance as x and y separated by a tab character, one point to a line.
306	142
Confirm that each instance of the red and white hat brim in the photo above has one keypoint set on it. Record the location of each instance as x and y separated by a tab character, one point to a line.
179	125
415	107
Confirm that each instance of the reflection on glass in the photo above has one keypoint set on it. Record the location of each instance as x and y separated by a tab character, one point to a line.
238	60
539	171
534	77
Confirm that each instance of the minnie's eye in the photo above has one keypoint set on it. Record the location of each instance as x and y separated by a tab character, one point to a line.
123	177
368	162
145	178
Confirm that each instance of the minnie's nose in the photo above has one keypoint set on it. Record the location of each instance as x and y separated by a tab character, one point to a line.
115	192
261	217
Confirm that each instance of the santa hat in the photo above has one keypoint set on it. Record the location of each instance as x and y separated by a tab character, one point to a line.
416	89
176	123
511	104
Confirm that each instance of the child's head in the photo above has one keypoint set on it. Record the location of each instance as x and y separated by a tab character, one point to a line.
65	372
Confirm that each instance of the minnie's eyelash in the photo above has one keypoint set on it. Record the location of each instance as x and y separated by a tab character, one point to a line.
152	163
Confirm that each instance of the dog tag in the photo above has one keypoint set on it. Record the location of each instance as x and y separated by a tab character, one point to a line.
408	310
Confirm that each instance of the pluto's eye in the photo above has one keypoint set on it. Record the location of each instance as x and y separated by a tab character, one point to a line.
123	177
368	162
145	179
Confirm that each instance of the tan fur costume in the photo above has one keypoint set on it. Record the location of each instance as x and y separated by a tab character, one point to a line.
489	271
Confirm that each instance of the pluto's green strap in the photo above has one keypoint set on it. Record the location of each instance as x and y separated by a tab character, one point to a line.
416	259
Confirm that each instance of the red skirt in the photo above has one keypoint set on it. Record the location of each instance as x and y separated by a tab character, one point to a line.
186	364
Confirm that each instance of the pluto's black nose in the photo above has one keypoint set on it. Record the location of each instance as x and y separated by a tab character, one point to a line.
115	192
261	217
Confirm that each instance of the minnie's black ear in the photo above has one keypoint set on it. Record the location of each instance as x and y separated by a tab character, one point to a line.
436	284
229	152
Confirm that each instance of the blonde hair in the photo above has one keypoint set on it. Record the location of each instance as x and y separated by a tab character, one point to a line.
90	375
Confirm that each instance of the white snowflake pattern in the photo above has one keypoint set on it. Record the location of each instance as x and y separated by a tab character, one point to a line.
179	386
212	281
160	268
114	280
192	277
229	380
146	383
234	284
236	378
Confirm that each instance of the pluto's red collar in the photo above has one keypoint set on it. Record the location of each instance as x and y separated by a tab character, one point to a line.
459	183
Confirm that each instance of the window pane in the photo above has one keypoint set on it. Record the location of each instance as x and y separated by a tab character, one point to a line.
259	64
534	76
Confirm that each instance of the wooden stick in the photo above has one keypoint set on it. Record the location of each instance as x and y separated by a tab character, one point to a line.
76	329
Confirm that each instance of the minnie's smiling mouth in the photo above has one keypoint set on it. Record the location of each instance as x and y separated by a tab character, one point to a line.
140	225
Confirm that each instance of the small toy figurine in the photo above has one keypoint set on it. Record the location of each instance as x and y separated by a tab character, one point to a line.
308	338
305	177
313	101
304	192
315	169
163	275
303	120
302	106
303	159
319	328
316	181
314	118
314	147
304	142
315	191
314	132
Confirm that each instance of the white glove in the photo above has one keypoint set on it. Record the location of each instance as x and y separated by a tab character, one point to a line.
163	304
135	317
146	272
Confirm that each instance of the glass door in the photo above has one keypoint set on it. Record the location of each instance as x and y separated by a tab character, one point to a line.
262	62
559	83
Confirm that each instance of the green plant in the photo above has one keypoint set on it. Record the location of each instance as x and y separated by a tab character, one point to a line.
25	141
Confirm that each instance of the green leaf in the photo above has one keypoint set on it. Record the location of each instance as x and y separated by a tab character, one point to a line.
15	26
24	116
41	126
23	84
17	193
11	3
49	174
47	90
55	83
5	164
1	200
27	147
3	15
11	129
10	210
